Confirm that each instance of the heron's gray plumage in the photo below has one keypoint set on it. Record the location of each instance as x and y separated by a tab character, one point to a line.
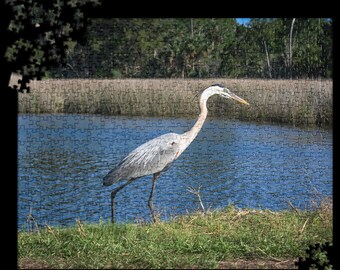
151	157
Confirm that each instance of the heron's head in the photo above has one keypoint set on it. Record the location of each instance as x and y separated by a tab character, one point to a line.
219	89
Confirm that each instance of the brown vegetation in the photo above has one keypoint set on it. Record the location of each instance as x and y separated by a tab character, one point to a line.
299	102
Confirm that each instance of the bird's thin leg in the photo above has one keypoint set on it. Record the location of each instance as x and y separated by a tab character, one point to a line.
155	176
113	195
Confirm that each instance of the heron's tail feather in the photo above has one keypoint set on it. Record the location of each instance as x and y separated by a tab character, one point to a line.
110	179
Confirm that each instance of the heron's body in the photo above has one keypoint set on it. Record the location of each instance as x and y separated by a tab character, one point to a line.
157	155
151	157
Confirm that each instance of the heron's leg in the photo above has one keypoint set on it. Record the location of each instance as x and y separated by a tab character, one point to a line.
155	176
113	195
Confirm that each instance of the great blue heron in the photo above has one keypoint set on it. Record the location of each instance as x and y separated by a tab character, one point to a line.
157	155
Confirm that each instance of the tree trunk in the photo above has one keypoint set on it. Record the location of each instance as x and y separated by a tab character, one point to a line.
192	27
290	49
268	61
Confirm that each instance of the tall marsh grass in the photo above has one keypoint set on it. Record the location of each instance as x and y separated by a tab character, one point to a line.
298	102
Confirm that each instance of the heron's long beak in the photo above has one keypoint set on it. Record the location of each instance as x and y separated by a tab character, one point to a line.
237	98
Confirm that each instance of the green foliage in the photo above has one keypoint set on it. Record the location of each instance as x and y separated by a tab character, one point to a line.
197	48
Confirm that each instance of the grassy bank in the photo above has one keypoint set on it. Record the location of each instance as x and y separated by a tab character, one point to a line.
196	241
299	102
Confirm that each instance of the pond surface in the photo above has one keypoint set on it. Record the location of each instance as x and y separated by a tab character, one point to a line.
62	159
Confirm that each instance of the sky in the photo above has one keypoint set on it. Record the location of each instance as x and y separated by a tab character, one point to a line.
242	20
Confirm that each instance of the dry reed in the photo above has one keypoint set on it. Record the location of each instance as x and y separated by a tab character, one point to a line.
298	102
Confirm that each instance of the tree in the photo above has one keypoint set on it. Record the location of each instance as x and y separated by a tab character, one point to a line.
264	33
312	57
293	48
37	35
196	48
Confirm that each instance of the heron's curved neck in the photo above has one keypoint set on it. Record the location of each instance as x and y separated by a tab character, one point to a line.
192	133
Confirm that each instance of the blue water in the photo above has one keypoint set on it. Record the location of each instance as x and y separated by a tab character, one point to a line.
63	158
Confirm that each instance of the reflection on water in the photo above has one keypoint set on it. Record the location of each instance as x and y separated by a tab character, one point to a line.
63	158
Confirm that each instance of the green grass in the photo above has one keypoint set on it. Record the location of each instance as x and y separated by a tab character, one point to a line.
193	241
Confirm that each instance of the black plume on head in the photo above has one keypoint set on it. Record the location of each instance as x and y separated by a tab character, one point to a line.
218	84
201	90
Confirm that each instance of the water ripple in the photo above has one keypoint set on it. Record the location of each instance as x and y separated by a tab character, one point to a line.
63	158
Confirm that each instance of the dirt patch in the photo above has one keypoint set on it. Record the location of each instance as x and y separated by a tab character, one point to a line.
33	264
230	264
258	264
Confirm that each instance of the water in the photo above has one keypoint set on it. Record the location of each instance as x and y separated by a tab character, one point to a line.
63	158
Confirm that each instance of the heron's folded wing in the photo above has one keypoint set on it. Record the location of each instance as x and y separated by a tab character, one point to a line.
151	157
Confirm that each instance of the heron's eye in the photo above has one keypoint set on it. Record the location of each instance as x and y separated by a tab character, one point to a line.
172	143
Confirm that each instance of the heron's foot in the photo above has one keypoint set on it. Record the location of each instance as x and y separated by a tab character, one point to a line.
155	218
113	195
155	176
